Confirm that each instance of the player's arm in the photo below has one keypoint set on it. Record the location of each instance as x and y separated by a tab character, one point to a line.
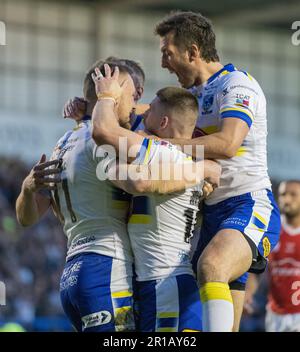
106	127
31	203
106	130
237	100
219	145
138	178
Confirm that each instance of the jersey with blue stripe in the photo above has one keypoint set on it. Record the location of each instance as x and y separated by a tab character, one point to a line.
160	226
92	210
231	93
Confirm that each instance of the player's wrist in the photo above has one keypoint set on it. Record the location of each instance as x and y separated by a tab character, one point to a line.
107	97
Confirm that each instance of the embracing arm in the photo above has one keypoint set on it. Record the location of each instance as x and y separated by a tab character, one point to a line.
220	145
138	178
106	129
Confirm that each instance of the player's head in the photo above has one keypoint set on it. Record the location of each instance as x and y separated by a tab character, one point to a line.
172	113
137	73
289	198
187	38
127	100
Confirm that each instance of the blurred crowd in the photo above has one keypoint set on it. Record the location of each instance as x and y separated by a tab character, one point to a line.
31	260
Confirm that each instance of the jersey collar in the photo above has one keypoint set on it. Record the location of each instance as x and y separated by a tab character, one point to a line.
228	68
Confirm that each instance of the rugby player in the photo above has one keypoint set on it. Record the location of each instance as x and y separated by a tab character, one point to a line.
283	276
96	285
241	220
160	226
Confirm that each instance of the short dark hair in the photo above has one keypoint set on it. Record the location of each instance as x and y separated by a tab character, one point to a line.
135	67
89	92
178	99
190	28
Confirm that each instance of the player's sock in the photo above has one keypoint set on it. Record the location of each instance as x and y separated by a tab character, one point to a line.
218	313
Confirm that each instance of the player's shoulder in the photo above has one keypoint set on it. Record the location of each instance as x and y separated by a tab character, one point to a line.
237	77
64	138
240	80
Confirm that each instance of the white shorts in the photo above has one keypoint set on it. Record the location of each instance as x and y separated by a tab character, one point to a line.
282	322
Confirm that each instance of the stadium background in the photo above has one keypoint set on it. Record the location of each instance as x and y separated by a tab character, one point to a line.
50	44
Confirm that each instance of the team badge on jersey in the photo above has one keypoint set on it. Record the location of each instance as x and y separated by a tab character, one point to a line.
207	104
267	246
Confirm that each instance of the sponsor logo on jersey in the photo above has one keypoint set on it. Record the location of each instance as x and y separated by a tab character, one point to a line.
242	100
225	91
69	276
96	319
82	241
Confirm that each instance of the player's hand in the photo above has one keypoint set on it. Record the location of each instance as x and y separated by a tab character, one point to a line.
109	83
207	189
212	173
75	108
42	177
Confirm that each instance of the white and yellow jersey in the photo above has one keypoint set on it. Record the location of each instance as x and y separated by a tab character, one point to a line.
160	226
233	93
94	213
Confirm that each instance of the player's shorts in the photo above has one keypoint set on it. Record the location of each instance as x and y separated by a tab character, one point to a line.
96	293
171	304
254	214
282	322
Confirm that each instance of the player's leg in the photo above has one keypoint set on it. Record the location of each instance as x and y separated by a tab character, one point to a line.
238	297
102	293
171	304
226	257
190	307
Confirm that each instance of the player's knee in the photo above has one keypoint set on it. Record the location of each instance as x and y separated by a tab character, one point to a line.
210	270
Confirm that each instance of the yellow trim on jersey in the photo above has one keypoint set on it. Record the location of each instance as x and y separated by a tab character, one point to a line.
241	151
167	330
121	294
168	315
240	110
225	72
140	219
215	291
248	74
148	152
210	129
260	218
